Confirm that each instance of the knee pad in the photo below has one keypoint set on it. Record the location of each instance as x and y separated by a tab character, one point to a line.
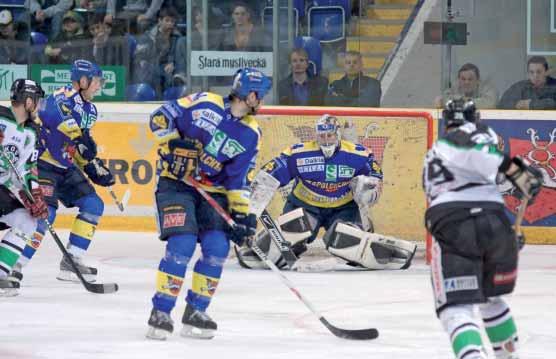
180	248
91	207
297	225
215	247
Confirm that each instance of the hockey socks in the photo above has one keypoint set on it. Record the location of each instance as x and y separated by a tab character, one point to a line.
500	328
464	332
11	247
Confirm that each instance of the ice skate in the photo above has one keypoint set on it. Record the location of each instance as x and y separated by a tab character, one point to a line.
160	325
197	324
9	287
67	273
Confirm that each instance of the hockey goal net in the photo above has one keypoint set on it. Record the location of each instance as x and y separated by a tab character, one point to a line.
398	138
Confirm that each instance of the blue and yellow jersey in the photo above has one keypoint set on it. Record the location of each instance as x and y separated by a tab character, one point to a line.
319	181
228	145
63	116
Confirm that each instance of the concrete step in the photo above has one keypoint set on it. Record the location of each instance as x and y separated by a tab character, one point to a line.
379	27
389	13
370	44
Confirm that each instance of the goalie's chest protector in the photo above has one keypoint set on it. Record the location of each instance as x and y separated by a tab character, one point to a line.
320	181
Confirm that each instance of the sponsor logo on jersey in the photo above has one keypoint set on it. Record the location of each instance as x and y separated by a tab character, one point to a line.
173	285
456	284
327	186
207	115
309	161
505	278
205	125
210	161
173	220
216	142
313	168
232	148
345	171
16	139
331	173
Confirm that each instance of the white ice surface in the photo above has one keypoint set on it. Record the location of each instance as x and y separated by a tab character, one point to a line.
258	317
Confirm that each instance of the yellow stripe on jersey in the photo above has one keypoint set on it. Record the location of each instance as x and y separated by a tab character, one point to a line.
204	285
70	128
252	123
168	284
188	101
238	201
351	147
47	157
318	200
83	229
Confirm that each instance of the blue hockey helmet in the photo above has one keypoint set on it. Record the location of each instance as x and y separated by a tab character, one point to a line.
249	80
86	68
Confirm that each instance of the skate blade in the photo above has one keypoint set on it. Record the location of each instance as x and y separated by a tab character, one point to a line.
157	334
68	276
189	331
9	292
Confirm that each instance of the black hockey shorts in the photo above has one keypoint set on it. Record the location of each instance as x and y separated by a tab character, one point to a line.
66	185
182	210
474	256
8	204
325	216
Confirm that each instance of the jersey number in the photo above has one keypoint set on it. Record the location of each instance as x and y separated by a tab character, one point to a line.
437	173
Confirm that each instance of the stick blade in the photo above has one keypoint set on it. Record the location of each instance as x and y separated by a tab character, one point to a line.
352	334
125	198
105	288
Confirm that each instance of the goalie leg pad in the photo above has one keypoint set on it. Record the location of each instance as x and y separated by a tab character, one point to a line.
297	225
247	258
369	250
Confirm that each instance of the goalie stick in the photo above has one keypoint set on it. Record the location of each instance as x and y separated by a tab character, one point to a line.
91	287
284	246
355	334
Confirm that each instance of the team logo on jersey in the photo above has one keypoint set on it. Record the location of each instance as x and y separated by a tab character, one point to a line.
160	121
216	142
12	153
232	148
345	171
36	240
269	166
331	172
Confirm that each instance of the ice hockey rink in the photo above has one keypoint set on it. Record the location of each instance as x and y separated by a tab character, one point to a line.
257	316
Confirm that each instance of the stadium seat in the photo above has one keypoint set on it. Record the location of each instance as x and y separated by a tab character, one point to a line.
12	3
267	22
173	93
140	92
132	43
327	20
314	50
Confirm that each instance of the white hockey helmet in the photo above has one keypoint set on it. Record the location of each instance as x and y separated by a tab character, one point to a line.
328	134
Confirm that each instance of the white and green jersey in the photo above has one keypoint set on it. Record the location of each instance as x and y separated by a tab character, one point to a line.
462	166
19	146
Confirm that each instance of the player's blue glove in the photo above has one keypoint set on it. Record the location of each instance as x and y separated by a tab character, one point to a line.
86	146
99	173
246	226
183	157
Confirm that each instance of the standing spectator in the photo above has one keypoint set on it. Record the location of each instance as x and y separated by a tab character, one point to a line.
154	59
299	89
470	87
14	40
354	89
70	44
244	35
107	48
538	92
47	15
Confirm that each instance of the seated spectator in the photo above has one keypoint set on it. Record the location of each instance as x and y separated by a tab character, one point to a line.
107	47
107	8
47	15
180	76
299	89
155	55
470	87
14	40
244	35
70	44
354	89
538	92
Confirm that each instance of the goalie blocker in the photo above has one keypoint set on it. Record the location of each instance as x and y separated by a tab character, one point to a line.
343	239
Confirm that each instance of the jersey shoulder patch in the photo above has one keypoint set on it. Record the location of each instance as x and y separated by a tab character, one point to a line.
354	148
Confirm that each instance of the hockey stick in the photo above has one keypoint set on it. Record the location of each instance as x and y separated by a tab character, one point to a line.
358	334
284	246
520	214
91	287
121	205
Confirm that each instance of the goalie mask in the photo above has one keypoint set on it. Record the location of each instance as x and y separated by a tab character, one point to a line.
328	135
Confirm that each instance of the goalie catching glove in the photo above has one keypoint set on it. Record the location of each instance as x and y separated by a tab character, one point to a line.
528	180
99	173
36	206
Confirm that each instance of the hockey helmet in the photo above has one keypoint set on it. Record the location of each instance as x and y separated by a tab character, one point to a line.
459	111
86	68
249	80
22	88
328	134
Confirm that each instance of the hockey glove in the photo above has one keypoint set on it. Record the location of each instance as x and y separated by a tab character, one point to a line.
86	146
99	173
183	157
365	190
520	239
36	206
246	226
527	180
